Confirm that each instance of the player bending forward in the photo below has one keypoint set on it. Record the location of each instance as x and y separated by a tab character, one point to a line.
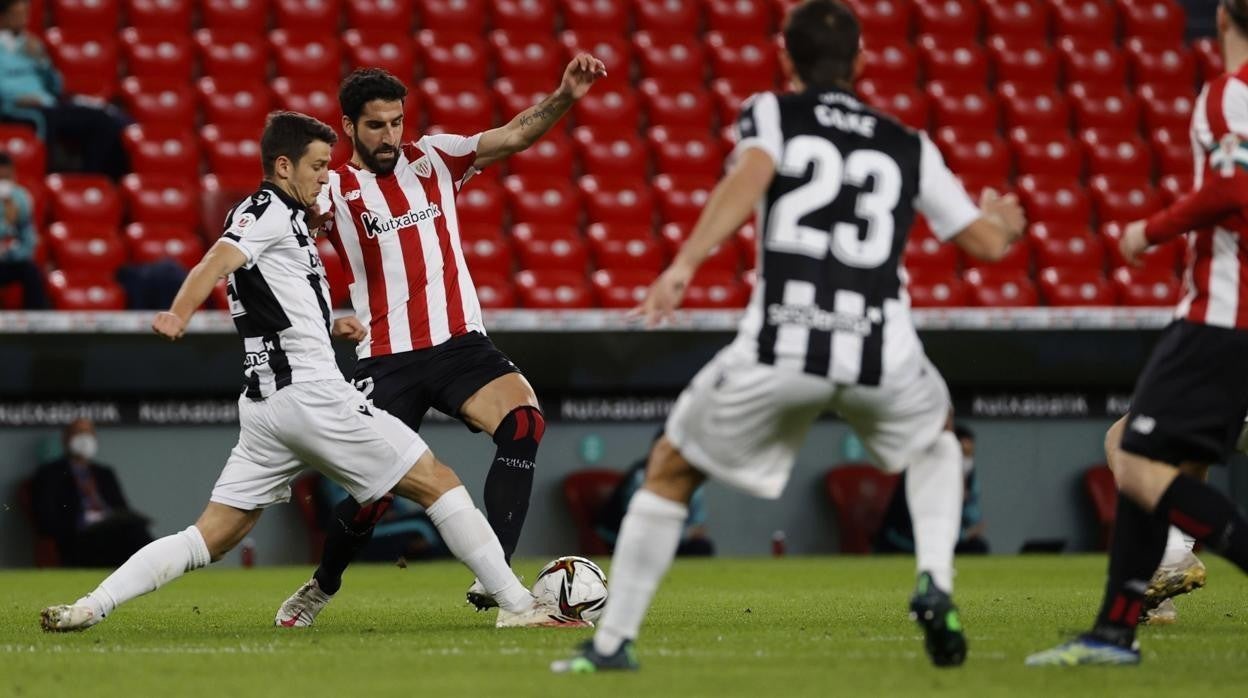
837	186
296	409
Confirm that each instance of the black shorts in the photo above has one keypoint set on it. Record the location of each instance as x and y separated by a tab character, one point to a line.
443	377
1190	401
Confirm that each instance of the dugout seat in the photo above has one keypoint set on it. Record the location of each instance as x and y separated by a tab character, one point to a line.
549	246
308	16
586	492
1102	491
621	288
612	199
859	494
1146	287
44	547
229	15
87	61
554	289
605	16
623	246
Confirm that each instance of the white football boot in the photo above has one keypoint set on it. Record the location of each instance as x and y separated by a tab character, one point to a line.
538	615
68	618
301	609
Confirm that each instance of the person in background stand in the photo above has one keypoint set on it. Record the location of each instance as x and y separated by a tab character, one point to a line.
18	238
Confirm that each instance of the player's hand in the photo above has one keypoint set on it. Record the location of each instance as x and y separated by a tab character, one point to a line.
1133	243
664	295
317	219
581	74
169	326
350	328
1005	210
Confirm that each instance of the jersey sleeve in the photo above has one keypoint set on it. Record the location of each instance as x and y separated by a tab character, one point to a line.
758	126
251	231
457	152
941	197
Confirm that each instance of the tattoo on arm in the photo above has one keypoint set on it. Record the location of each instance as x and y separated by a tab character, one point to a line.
550	109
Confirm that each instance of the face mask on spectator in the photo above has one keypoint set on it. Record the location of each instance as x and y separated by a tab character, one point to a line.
83	446
6	188
968	464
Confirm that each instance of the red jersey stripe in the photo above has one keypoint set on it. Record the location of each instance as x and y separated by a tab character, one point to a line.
378	303
413	262
457	164
450	265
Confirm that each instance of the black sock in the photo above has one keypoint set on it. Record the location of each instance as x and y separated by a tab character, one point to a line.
1203	513
350	529
510	481
1136	550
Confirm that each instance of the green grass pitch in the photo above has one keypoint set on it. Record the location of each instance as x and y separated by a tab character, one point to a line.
756	627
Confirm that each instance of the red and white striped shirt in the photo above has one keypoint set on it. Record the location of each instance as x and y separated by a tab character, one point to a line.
1216	211
399	237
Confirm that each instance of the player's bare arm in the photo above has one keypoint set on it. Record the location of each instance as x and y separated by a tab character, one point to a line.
727	208
531	124
220	261
1001	222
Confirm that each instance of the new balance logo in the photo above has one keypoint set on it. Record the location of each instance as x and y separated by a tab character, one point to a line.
375	225
1143	425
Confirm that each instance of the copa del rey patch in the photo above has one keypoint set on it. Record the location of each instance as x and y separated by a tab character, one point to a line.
422	166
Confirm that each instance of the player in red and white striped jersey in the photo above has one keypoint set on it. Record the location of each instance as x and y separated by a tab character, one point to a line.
392	218
1191	399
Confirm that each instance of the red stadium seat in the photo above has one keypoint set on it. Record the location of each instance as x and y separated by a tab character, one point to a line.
159	100
1026	61
29	155
1000	288
906	104
729	93
482	201
1209	58
466	104
312	96
519	54
1146	287
158	149
925	253
619	246
152	242
1172	149
685	151
678	58
731	55
160	199
229	103
1175	185
617	199
603	152
1017	19
1084	18
1162	62
1114	152
486	250
1167	107
495	291
453	15
85	247
380	48
859	494
737	17
1124	197
1165	256
711	289
335	273
87	61
542	199
232	151
883	19
315	17
217	195
157	53
83	197
1162	20
680	198
621	288
747	243
534	18
1051	198
612	48
84	290
606	16
891	62
973	152
298	55
932	288
1046	153
1095	62
553	289
972	109
383	16
681	18
1076	287
1034	109
1102	107
99	16
552	156
617	109
514	95
453	55
1017	257
231	56
229	15
725	256
160	14
549	246
1067	245
956	19
949	59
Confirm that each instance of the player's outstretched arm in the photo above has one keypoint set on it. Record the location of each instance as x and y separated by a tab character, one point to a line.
728	206
221	260
1223	191
531	124
1000	223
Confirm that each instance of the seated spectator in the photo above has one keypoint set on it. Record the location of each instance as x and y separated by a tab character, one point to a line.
896	534
30	91
79	503
151	286
405	531
17	239
693	543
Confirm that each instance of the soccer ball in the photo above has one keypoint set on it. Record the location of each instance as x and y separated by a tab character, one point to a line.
574	584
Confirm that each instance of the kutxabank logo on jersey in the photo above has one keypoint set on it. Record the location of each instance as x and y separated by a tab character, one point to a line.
375	225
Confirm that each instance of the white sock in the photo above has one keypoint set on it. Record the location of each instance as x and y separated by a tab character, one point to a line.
153	566
1178	546
469	537
644	551
934	493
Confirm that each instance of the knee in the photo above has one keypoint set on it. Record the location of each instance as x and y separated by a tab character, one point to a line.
524	423
669	474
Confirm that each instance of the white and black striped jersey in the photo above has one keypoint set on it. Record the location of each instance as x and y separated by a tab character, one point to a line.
279	298
830	298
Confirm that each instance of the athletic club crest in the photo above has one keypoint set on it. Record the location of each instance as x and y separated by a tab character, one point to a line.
423	167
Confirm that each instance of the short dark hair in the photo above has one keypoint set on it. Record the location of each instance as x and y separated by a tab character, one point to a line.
1238	13
363	86
822	38
963	432
290	133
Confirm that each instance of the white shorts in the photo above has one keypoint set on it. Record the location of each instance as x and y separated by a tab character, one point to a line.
743	423
325	425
